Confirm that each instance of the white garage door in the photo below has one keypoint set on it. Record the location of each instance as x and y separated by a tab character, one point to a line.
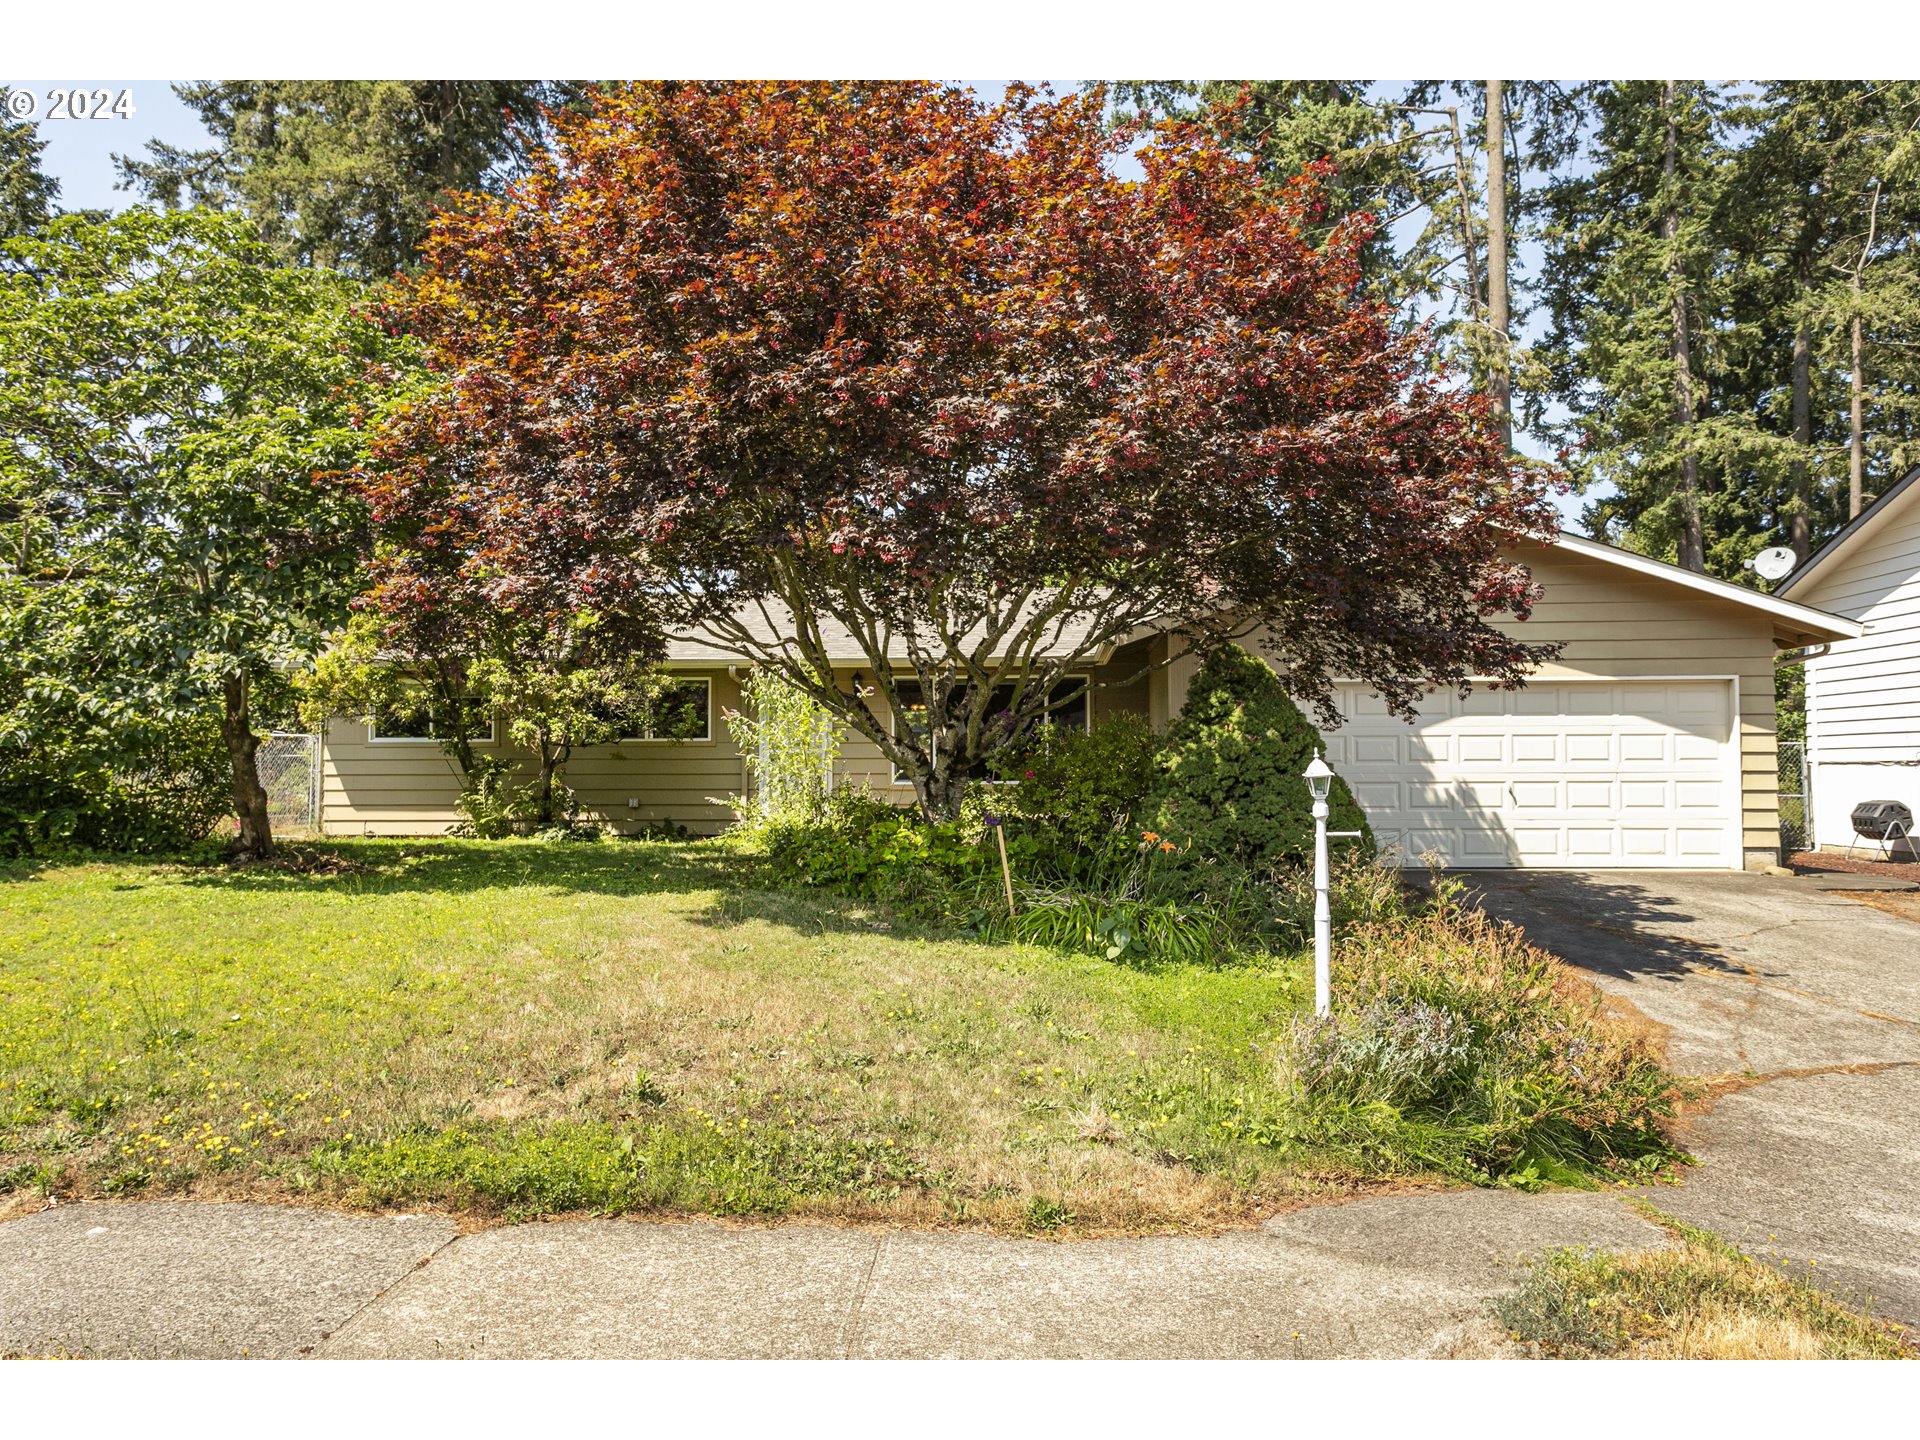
1558	775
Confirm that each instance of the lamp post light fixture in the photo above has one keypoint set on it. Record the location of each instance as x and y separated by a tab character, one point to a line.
1319	778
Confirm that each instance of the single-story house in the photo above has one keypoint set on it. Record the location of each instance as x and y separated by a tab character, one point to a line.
1863	692
1650	741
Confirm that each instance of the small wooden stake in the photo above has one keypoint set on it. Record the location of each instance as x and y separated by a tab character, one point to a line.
1006	870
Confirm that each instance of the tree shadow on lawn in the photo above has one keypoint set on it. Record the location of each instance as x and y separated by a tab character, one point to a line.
735	884
458	866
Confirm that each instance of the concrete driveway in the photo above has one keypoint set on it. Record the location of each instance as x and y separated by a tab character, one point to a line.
1804	1005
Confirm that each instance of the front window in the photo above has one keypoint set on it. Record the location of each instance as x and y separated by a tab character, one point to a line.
683	711
423	720
1069	699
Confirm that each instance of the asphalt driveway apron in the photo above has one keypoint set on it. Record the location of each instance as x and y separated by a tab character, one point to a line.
1802	1007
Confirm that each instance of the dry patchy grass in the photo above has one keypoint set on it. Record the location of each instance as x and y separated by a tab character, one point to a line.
516	1028
1702	1299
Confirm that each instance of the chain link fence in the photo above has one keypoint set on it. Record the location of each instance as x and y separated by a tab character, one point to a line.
290	771
1796	814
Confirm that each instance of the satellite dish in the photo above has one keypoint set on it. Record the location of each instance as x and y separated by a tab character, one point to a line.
1773	564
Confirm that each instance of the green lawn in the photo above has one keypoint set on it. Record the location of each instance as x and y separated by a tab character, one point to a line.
517	1028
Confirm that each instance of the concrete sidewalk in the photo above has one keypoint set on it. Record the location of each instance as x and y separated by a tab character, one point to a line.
1404	1276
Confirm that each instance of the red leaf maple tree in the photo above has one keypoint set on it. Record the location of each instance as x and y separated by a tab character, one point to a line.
804	366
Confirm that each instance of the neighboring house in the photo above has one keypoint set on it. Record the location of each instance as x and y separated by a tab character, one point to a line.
1863	693
1650	742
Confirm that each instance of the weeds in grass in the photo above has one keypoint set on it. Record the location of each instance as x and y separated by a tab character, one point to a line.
485	1024
1460	1047
1703	1299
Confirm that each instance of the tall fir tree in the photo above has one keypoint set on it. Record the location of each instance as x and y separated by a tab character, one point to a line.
27	193
1639	291
346	173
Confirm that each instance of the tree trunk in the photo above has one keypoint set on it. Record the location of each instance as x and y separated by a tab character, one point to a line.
1857	418
1800	525
1692	542
939	792
552	757
1500	378
249	795
1857	385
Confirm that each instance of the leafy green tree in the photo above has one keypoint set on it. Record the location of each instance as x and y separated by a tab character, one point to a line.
453	664
1228	787
170	403
78	765
27	194
346	173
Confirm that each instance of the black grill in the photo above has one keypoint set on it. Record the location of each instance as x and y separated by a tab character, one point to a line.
1876	819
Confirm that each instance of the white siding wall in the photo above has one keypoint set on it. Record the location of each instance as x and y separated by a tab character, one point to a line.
1863	696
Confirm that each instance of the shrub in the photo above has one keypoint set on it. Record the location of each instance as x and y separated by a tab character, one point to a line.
788	743
865	847
115	793
1076	793
1227	786
1459	1046
1399	1053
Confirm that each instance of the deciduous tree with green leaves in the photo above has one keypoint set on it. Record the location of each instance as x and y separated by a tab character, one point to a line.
172	402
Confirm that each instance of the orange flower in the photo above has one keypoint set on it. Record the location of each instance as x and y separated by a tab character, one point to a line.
1148	836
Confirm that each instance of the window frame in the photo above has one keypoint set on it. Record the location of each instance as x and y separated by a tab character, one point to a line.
706	739
1086	726
490	738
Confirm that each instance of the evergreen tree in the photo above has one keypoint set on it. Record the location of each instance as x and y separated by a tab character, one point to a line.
27	194
1639	290
1821	168
1228	787
346	173
1384	160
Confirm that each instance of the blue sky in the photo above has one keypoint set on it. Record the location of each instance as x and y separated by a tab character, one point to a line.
79	155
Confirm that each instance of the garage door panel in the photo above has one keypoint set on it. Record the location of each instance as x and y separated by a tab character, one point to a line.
1375	749
1699	748
1644	795
1378	797
1536	749
1482	749
1567	774
1587	748
1643	749
1592	700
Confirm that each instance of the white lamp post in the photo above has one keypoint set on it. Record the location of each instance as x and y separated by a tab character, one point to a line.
1319	778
